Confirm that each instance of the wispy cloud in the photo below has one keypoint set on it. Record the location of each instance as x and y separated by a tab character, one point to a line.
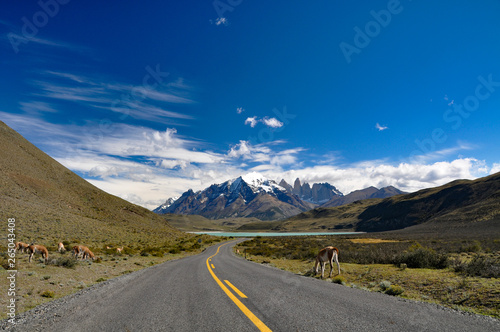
240	110
440	154
380	127
34	107
138	102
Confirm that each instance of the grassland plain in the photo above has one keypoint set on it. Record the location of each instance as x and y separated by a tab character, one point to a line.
385	265
38	282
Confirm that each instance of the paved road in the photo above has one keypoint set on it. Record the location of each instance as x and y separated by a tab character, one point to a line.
192	294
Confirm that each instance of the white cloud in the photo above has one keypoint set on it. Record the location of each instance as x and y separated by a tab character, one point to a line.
221	21
495	168
407	177
381	128
272	122
240	110
251	121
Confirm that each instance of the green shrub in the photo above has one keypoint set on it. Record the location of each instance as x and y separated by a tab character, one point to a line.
385	285
339	280
421	257
175	250
394	290
480	265
48	294
101	279
475	246
67	262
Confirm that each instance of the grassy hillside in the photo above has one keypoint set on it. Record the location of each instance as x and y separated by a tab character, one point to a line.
462	206
51	204
344	218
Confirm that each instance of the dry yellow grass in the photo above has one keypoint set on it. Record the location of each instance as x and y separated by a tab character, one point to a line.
444	287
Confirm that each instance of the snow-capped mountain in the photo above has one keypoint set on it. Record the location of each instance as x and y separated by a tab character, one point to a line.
165	205
250	195
253	195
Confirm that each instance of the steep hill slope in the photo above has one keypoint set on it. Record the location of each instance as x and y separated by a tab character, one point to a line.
459	202
460	205
51	204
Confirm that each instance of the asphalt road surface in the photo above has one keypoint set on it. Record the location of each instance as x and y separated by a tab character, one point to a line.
219	291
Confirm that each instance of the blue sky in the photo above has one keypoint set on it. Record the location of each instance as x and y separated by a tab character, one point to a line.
146	100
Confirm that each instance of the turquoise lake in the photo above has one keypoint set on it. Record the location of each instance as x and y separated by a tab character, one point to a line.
254	234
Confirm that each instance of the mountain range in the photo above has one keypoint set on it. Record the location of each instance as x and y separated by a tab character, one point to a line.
253	195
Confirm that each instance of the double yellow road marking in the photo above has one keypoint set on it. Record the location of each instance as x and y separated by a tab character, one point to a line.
236	290
260	325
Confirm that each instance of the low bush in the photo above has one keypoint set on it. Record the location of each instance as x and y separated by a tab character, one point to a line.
384	285
394	290
48	294
423	258
339	280
480	266
175	250
67	262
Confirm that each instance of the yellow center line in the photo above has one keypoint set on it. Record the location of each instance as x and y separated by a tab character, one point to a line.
260	325
213	267
236	290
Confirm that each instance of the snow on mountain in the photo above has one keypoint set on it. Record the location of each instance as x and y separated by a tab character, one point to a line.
250	195
258	183
253	195
165	205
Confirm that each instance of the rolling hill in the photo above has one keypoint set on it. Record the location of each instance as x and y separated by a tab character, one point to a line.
51	204
459	206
